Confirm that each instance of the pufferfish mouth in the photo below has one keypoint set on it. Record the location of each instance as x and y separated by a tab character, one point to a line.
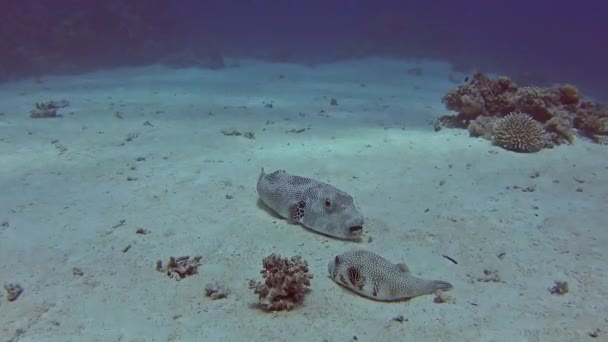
355	230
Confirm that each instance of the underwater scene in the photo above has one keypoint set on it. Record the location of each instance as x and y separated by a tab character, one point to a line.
282	170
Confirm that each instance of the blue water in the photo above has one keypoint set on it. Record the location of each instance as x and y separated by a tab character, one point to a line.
534	42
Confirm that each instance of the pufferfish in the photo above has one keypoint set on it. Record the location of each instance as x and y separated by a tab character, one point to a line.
372	276
315	205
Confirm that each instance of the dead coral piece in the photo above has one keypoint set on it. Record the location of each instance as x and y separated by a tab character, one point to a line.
180	267
595	333
142	231
249	135
48	109
559	288
561	108
13	291
233	132
216	291
518	132
286	283
490	276
441	297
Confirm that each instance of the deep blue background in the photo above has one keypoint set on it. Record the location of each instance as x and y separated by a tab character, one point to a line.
534	42
550	41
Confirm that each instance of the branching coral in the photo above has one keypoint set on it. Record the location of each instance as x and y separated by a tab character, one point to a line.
285	285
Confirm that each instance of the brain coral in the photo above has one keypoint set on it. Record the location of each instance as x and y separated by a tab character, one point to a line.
518	132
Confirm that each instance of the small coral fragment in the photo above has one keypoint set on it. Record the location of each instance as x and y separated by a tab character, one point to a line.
286	283
559	288
180	267
13	291
216	291
48	109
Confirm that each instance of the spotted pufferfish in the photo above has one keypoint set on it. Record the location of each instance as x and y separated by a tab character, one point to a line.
315	205
372	276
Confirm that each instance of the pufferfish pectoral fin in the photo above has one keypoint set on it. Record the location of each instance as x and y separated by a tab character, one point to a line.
355	277
297	211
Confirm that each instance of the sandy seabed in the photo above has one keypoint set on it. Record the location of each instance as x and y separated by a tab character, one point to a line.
144	148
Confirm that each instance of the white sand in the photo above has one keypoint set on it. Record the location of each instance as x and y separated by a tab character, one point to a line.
424	194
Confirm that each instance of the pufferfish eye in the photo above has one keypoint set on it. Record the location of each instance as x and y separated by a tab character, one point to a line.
327	203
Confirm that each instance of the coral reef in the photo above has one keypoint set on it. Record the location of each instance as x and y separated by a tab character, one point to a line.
180	267
561	109
286	283
518	132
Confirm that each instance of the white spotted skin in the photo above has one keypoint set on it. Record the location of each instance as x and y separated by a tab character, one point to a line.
313	204
372	276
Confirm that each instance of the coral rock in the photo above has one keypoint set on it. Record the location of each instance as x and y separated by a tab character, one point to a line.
559	130
482	127
569	94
